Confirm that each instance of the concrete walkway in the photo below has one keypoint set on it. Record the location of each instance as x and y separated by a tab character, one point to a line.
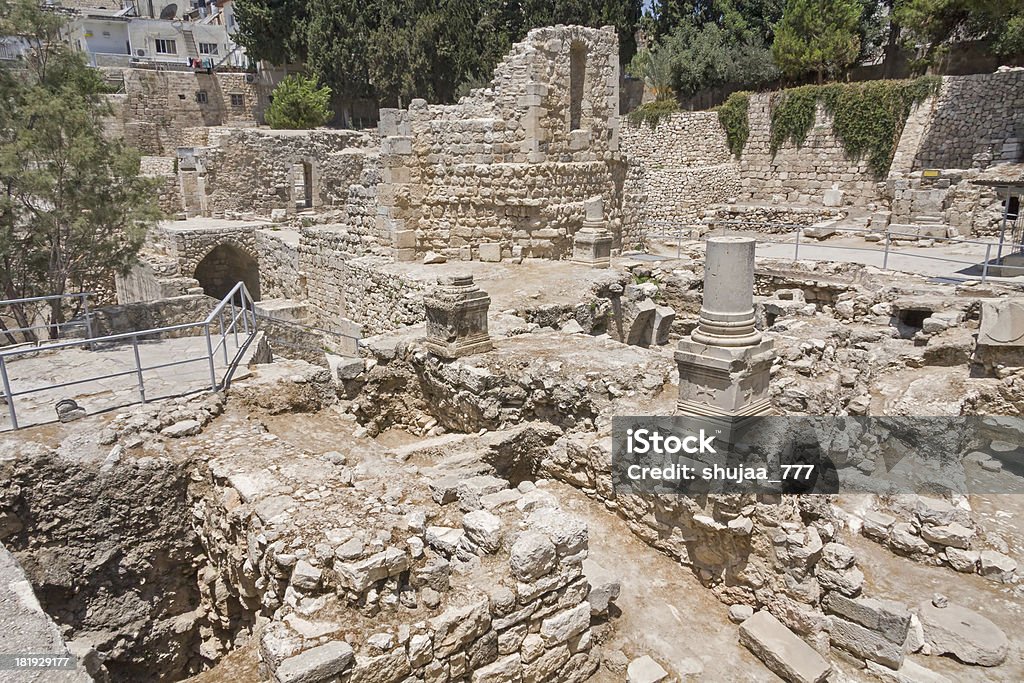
955	261
38	371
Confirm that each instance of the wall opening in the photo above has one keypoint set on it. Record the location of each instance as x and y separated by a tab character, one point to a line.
302	190
577	77
224	267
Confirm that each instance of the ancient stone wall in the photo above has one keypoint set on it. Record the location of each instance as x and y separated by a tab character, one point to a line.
255	172
177	310
511	163
800	175
677	169
280	276
158	105
164	172
977	121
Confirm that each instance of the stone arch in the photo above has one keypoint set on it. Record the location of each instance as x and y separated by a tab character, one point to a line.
577	83
224	266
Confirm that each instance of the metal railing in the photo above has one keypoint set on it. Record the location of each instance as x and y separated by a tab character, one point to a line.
793	233
237	304
30	331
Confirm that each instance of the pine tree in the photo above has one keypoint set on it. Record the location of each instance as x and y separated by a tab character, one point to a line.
73	209
817	36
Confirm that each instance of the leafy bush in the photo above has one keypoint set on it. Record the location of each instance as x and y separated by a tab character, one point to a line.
733	115
299	104
868	118
652	112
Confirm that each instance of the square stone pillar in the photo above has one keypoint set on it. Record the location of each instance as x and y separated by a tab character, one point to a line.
724	365
457	318
592	244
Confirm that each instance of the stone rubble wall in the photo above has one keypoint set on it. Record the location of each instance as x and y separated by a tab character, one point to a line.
404	582
145	315
280	274
503	165
677	169
977	120
251	172
157	106
164	172
800	175
341	282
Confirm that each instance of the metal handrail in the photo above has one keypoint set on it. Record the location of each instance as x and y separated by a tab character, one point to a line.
798	228
241	316
83	296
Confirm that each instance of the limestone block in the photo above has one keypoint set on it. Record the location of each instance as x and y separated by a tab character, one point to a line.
782	651
865	643
490	252
316	664
645	670
532	556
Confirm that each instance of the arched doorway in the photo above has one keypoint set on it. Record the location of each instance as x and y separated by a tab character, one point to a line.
224	267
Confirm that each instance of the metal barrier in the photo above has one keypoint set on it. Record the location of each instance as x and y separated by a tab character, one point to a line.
242	318
82	297
889	236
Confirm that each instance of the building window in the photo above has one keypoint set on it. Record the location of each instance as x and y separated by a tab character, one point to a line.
237	100
208	49
201	97
577	77
166	47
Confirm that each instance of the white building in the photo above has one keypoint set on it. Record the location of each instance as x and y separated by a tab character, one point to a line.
131	37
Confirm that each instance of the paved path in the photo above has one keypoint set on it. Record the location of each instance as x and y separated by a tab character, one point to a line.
956	261
78	364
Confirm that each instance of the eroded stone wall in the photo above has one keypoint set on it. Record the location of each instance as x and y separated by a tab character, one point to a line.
511	163
677	169
801	175
158	105
253	172
977	121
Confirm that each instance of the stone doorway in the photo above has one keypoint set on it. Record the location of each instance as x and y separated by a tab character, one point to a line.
302	188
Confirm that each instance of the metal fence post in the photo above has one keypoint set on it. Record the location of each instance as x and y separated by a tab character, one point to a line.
796	249
8	394
885	258
223	336
88	319
984	266
138	368
234	321
209	354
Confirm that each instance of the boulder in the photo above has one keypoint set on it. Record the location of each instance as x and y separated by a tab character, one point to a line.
963	633
483	529
645	670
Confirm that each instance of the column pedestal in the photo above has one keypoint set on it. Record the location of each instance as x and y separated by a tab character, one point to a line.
456	314
592	244
724	367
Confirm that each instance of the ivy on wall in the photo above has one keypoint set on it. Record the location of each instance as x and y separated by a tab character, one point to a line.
733	116
652	112
867	118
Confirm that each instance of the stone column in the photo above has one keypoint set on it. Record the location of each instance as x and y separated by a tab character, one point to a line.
592	243
724	366
456	314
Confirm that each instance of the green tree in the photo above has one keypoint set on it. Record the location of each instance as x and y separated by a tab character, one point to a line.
932	23
73	209
298	104
817	36
394	50
272	30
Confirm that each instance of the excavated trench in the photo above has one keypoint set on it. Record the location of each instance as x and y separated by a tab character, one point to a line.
115	560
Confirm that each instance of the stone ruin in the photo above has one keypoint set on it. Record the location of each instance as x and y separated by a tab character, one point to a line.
412	478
